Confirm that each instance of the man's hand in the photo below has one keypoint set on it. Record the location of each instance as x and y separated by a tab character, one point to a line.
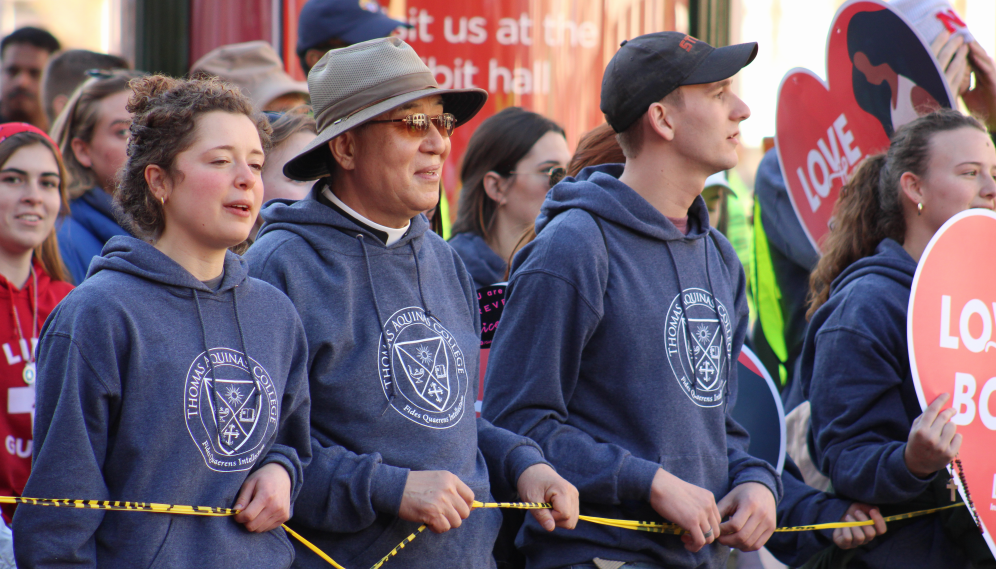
934	440
264	499
436	498
692	508
540	483
847	538
981	101
751	508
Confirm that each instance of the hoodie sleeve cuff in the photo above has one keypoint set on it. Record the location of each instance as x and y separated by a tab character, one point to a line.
635	478
521	458
904	480
293	470
387	487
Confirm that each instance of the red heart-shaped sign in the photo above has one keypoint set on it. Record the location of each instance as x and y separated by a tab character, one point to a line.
880	76
952	344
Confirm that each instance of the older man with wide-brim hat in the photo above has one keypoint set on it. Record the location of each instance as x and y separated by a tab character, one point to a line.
393	327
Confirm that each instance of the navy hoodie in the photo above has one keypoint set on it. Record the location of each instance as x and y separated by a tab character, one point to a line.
484	265
393	337
616	353
856	373
130	408
84	232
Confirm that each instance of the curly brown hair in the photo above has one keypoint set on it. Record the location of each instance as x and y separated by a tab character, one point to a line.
164	112
869	209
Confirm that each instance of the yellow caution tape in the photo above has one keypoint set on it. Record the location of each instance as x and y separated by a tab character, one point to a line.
655	527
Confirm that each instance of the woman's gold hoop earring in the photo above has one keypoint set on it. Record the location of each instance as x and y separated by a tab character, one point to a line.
162	200
919	208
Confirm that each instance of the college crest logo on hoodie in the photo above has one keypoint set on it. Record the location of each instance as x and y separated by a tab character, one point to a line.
699	340
231	408
422	369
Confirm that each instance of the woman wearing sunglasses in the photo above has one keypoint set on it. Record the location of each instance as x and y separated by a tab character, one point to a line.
506	174
393	327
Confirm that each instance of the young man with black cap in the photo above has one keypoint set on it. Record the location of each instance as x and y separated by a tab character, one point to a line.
627	379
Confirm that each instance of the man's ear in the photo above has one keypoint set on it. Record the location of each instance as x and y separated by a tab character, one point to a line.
661	119
911	187
493	187
81	151
343	148
312	56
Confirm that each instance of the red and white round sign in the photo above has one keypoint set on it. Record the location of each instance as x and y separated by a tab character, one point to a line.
952	343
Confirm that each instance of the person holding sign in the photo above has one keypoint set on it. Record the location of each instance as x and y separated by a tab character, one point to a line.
867	432
393	327
170	375
624	318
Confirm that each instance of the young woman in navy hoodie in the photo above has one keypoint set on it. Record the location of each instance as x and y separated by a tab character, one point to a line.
32	282
170	375
867	432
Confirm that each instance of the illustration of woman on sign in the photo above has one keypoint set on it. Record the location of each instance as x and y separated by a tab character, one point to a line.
894	76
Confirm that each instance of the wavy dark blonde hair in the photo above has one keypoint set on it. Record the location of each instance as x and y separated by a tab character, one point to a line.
869	207
79	118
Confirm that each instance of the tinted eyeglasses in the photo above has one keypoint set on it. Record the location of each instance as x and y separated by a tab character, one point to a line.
418	124
556	175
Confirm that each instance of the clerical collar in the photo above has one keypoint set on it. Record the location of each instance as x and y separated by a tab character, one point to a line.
388	235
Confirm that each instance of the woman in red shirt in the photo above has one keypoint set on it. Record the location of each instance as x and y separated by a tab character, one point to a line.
32	281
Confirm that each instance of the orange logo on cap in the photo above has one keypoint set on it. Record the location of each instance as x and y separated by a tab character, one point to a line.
687	42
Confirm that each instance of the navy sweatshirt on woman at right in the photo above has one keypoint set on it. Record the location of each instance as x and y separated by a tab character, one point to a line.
616	353
856	373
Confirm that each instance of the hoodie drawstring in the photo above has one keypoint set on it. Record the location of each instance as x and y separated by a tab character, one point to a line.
418	278
684	312
380	319
238	324
204	334
722	326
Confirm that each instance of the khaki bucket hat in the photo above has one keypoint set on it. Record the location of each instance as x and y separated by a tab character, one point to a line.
255	67
351	85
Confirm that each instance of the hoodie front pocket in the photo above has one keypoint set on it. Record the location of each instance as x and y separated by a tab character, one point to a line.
160	559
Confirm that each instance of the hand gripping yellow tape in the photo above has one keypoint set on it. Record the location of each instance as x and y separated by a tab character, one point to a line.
656	527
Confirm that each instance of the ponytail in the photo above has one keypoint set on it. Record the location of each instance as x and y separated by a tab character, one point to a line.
869	208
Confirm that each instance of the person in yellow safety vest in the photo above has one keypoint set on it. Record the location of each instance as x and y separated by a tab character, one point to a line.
783	258
728	214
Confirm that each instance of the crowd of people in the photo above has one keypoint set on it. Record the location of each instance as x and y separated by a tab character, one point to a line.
230	290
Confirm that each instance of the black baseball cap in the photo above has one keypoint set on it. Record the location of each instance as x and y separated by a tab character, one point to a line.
647	68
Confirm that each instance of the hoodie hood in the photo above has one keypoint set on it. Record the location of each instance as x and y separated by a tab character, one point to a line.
890	260
598	191
136	257
311	219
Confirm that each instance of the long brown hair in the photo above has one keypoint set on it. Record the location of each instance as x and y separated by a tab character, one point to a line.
48	252
496	146
869	208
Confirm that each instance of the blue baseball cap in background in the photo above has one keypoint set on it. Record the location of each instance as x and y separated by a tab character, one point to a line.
352	21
